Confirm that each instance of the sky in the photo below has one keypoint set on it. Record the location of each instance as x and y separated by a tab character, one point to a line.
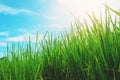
20	19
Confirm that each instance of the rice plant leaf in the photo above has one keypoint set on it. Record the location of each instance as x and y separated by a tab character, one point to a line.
116	12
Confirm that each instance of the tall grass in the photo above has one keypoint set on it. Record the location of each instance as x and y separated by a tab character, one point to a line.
88	52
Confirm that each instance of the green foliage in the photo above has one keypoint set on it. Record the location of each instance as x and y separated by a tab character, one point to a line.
88	52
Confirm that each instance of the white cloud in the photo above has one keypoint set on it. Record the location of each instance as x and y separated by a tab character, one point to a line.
58	17
57	26
13	11
25	37
52	17
4	34
3	44
16	39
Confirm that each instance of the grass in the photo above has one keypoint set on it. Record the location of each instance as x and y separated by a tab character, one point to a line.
88	52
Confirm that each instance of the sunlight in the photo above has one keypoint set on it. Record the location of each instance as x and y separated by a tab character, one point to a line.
77	7
82	4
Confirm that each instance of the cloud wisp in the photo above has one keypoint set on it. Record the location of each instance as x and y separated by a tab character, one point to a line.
3	44
13	11
25	37
4	33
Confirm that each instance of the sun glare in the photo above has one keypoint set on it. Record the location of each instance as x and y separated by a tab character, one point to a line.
79	6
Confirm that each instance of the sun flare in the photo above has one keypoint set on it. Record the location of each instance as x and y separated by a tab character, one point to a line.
78	6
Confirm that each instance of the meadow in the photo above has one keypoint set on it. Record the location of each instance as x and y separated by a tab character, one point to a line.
88	52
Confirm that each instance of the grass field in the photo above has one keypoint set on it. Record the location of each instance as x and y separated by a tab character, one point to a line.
88	52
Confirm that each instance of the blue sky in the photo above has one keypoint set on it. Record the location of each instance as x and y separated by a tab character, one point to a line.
21	18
